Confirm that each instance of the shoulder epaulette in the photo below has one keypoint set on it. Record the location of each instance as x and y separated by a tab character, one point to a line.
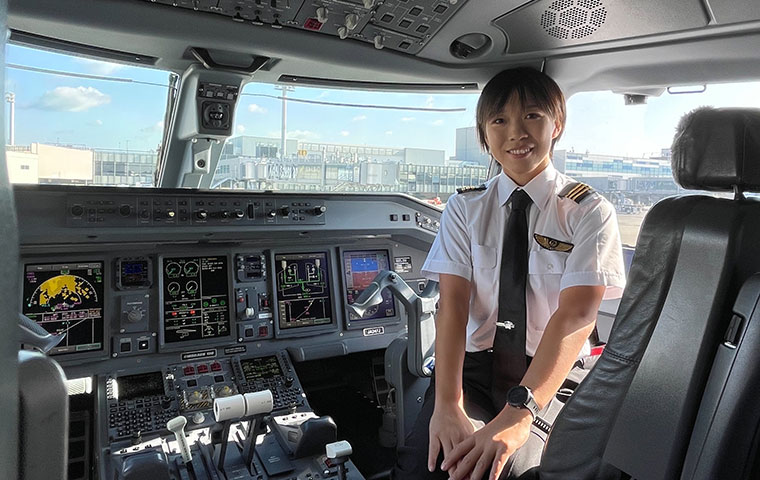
479	188
576	191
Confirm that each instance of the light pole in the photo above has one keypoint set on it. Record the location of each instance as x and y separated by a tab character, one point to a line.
10	97
283	132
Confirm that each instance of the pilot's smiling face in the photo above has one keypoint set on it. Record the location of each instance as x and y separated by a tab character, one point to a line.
520	138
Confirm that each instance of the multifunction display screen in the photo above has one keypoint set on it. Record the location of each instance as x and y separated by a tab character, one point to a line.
303	289
360	268
196	298
67	298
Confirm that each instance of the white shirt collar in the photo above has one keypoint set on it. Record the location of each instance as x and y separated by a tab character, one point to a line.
540	188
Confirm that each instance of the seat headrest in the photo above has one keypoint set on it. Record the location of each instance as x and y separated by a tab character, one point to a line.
718	148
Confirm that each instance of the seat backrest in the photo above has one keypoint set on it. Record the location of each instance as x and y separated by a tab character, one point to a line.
9	307
635	412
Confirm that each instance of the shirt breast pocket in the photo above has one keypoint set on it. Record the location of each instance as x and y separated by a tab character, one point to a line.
483	256
547	262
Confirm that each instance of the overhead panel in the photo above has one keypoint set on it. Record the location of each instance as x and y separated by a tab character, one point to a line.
402	25
550	24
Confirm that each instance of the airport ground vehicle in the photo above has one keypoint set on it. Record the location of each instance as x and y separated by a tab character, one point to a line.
131	253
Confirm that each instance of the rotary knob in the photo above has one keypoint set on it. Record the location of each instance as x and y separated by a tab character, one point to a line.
224	214
198	418
135	316
239	213
285	211
77	210
271	214
125	210
319	210
201	214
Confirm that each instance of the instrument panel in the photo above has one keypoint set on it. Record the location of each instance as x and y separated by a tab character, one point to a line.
175	298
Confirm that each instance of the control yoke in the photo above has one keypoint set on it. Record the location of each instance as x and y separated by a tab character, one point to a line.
420	310
32	335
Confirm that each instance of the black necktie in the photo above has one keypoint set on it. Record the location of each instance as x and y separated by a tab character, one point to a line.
509	343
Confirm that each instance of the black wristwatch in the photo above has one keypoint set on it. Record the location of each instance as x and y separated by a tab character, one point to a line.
522	397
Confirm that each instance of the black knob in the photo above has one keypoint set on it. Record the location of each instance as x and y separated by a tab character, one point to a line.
319	210
201	214
224	214
136	438
166	402
285	211
145	214
289	381
77	210
271	214
239	214
125	210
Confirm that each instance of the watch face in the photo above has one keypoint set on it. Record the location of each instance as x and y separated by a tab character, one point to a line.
517	395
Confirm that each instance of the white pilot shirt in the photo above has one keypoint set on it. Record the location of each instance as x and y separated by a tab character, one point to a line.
471	235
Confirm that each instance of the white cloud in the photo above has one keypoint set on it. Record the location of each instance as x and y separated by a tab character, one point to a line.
240	129
157	127
407	119
253	108
438	123
429	101
345	133
388	132
359	118
70	99
98	67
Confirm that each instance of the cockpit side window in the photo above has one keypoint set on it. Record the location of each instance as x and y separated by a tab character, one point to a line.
623	151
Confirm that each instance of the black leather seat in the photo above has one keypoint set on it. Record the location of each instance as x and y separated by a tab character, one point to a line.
634	415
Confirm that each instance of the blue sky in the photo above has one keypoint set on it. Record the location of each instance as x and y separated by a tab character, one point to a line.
106	114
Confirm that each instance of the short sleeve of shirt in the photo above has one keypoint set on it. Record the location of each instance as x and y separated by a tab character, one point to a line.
450	252
597	257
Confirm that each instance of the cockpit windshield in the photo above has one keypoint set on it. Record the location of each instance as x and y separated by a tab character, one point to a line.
328	140
73	120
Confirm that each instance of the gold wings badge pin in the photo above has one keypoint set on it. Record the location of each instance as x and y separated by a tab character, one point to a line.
552	244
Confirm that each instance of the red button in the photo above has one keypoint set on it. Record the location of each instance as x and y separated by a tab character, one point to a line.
189	370
202	368
216	366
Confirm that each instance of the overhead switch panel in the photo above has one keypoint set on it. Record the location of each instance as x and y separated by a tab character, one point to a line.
402	25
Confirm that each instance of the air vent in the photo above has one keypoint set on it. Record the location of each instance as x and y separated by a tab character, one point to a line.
565	19
470	46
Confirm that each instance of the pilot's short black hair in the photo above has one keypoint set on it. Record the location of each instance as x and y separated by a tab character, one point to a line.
527	83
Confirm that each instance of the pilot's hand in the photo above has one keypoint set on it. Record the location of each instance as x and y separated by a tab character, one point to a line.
489	447
449	425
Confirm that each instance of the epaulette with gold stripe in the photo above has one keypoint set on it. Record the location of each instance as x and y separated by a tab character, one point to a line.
479	188
576	191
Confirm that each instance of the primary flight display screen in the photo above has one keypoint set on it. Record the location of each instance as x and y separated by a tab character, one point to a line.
360	268
67	298
196	298
303	290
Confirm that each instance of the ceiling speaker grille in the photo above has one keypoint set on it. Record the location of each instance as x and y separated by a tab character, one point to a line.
573	18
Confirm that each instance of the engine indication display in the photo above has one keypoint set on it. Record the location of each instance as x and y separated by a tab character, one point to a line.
360	268
67	298
303	290
196	298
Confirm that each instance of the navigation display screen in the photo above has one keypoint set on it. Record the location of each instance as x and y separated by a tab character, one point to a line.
67	298
360	268
196	298
303	290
